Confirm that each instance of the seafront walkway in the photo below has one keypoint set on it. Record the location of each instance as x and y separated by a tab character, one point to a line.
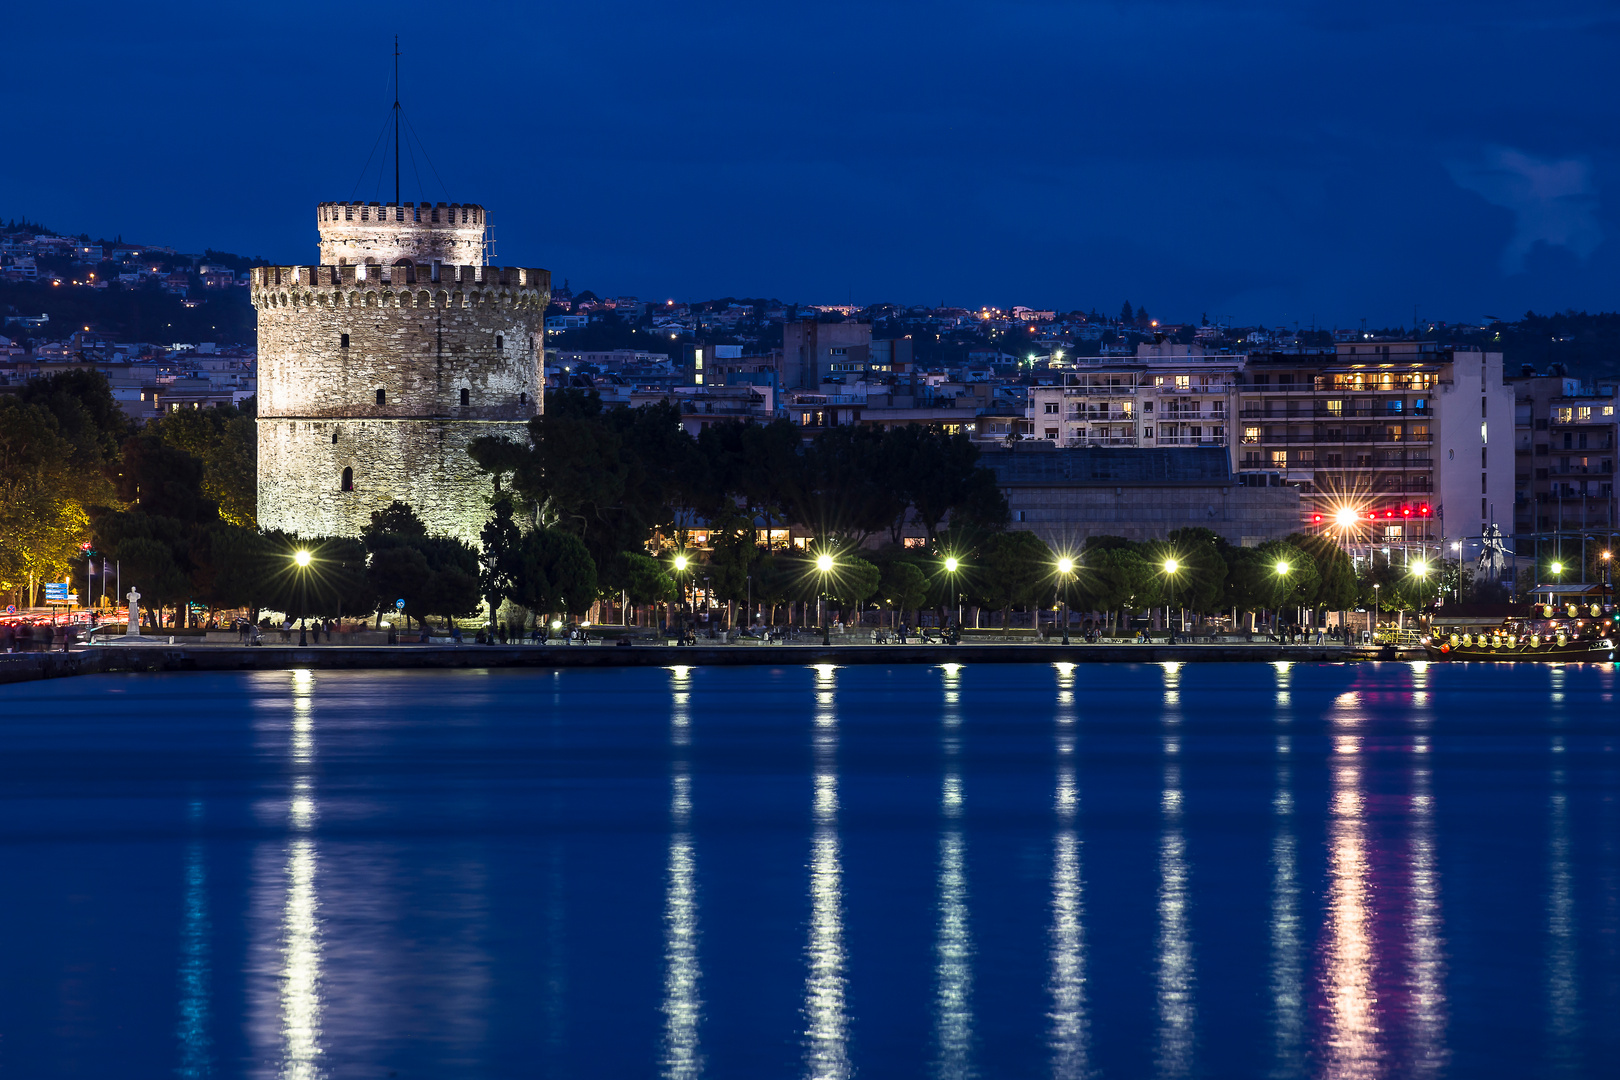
157	655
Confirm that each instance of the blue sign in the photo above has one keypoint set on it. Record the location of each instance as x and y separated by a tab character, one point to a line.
400	604
56	591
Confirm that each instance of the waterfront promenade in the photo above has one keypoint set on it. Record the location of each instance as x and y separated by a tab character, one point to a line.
25	667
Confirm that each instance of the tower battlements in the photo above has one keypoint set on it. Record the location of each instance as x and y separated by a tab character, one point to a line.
386	233
268	279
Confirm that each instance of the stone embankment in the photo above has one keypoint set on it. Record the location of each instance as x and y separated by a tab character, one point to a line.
97	659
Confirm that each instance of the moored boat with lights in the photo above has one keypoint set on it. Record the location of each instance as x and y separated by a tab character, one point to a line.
1548	632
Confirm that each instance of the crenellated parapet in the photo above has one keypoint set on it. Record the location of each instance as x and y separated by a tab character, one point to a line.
375	213
399	286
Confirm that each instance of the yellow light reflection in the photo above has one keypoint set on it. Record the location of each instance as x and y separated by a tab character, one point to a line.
953	943
1351	1034
1287	942
1176	975
682	1006
1068	1037
827	1029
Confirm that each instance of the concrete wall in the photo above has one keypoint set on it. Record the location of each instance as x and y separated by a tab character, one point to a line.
1474	413
1065	516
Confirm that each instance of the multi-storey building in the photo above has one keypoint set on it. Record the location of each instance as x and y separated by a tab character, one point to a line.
1564	443
1398	432
1389	430
1170	395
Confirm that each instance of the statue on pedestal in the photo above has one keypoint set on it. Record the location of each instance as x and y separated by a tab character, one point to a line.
134	598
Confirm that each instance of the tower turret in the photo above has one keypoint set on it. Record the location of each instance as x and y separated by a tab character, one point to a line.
389	233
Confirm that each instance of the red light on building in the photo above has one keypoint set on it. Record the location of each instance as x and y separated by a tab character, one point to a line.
1316	519
1424	509
1406	511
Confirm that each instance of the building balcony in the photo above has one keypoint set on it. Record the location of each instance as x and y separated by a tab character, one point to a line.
1191	440
1112	440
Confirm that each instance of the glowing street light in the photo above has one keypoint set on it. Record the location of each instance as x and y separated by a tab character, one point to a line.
1282	569
1065	568
951	566
824	566
301	560
1170	568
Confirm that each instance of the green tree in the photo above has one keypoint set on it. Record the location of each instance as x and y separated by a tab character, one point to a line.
149	565
852	584
501	560
1017	569
557	573
903	586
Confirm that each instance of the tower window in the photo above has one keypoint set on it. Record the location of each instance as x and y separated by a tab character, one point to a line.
334	438
348	479
500	342
343	341
523	399
382	397
466	396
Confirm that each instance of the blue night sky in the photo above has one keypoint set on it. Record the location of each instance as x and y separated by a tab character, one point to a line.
1270	161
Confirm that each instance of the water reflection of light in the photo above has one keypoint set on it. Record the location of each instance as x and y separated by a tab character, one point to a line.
1283	669
827	1024
1172	683
301	966
1351	1032
1176	978
1069	1034
196	969
1287	947
1424	944
300	931
682	1006
680	679
953	945
1563	988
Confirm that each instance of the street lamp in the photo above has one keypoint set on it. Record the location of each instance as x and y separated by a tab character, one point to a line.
824	565
951	566
681	563
1282	572
301	560
1170	568
1420	570
1065	572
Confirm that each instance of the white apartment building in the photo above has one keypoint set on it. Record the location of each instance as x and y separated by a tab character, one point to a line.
1170	395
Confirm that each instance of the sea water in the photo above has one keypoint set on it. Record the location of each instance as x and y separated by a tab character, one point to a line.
905	871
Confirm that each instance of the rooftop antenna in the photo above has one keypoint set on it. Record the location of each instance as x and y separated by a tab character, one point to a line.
396	120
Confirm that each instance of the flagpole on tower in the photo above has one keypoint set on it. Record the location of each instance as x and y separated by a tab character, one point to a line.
396	119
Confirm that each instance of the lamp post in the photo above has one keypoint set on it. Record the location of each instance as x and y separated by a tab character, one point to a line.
681	563
1170	568
301	560
824	566
1065	573
1420	570
1282	572
1605	558
951	566
1372	617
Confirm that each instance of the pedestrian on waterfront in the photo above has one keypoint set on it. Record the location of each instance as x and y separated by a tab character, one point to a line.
455	633
69	634
8	638
48	637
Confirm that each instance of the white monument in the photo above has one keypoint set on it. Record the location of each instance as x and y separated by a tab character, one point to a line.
134	598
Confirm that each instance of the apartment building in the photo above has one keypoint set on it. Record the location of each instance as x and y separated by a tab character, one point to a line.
1169	395
1400	432
1564	438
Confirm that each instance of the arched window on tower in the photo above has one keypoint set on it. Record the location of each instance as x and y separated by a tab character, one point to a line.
523	399
466	396
348	479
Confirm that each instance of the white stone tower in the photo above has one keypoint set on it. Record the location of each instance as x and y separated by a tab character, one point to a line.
378	367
